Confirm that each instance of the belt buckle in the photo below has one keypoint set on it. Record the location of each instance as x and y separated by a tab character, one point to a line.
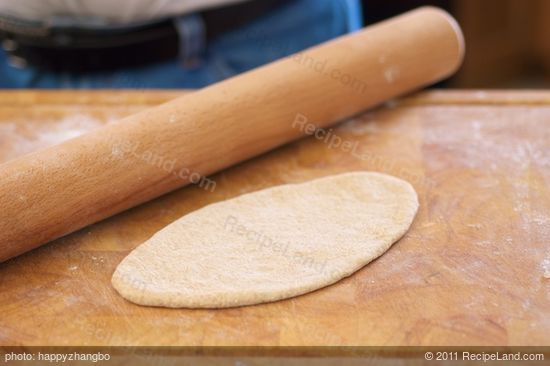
10	46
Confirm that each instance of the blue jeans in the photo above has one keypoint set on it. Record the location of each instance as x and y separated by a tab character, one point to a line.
290	28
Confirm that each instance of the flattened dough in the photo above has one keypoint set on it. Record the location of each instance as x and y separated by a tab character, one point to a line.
271	244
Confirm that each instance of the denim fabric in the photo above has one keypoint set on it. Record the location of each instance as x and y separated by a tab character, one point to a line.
293	27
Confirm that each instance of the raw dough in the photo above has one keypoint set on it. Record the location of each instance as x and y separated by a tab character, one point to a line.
271	244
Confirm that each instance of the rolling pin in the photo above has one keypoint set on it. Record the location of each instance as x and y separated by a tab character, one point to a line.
58	190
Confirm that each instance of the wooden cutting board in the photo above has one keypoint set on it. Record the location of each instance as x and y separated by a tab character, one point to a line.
471	271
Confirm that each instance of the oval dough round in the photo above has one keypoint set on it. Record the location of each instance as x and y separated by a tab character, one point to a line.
271	244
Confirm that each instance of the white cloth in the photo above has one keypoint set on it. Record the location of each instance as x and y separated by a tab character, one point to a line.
104	11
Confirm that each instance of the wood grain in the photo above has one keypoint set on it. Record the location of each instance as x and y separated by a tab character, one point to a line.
469	272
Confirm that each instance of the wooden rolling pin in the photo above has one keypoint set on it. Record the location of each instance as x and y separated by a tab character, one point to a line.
50	193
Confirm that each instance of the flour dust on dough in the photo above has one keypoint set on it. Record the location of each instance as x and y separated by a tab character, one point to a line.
269	245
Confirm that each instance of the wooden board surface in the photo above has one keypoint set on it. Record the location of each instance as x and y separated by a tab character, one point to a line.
471	271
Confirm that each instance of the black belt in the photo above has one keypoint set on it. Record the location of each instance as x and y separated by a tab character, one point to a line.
73	49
